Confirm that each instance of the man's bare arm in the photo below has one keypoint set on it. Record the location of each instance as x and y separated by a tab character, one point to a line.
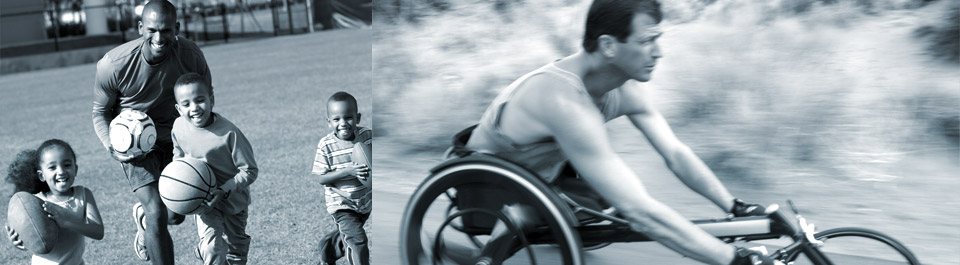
579	129
684	163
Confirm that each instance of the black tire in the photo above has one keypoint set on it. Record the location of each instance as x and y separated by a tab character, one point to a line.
418	241
890	249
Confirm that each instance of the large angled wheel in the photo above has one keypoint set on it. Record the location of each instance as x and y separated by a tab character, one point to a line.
482	210
852	245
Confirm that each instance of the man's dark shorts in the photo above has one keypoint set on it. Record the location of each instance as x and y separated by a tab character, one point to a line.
147	170
576	188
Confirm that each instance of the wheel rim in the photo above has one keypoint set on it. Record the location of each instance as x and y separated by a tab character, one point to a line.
859	246
415	228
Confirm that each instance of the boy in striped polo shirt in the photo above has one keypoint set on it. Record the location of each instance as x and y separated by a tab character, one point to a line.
345	183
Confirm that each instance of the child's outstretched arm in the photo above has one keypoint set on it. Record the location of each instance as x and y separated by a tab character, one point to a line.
244	161
349	172
323	169
89	225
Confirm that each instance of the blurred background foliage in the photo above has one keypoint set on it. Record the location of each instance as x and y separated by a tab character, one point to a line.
749	85
852	106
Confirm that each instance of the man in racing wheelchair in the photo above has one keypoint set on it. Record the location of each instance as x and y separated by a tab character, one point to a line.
554	117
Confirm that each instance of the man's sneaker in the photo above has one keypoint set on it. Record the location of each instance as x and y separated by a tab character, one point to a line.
139	243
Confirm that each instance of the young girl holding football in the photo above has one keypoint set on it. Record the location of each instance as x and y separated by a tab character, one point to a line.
49	173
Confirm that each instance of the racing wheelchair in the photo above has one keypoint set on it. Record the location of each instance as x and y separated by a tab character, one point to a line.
480	209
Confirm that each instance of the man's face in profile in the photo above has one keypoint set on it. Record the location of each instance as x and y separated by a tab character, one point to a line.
638	55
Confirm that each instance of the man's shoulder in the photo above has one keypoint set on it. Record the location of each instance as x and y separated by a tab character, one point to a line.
188	45
631	99
550	95
119	54
543	80
189	49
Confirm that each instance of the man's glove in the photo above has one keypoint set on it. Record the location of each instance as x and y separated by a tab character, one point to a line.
741	209
744	256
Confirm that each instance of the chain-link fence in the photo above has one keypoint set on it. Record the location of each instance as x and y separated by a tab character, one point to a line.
222	21
75	24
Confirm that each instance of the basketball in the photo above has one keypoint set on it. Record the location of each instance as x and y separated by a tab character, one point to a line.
132	133
25	215
185	183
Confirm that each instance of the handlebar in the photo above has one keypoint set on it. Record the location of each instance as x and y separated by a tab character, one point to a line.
795	226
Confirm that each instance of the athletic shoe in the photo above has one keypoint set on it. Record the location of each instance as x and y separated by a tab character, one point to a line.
139	243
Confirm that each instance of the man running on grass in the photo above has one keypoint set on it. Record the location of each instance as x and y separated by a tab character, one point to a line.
140	75
555	116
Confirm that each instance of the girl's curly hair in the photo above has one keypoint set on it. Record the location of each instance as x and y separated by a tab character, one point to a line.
23	171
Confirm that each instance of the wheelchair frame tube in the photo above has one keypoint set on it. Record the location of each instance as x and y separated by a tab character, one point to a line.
750	228
736	228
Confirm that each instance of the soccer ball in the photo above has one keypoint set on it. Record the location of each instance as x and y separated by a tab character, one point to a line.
132	133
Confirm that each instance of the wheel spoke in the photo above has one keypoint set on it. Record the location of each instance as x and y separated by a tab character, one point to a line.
462	202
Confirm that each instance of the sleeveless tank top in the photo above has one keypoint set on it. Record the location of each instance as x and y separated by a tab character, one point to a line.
70	245
543	158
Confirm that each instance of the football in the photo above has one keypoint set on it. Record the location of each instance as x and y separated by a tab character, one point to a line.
132	133
185	183
362	154
25	215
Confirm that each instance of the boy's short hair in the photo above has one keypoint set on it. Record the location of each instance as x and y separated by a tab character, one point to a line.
341	96
193	78
615	18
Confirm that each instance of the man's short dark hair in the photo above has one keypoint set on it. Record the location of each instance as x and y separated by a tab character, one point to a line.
193	78
615	18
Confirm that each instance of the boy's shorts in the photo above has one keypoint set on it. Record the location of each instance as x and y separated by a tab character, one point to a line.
147	170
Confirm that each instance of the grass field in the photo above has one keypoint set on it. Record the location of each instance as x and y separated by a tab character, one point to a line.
274	89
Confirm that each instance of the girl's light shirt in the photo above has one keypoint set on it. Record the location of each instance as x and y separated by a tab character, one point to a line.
70	245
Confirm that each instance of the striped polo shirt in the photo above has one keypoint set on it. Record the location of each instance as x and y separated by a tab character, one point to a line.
332	154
